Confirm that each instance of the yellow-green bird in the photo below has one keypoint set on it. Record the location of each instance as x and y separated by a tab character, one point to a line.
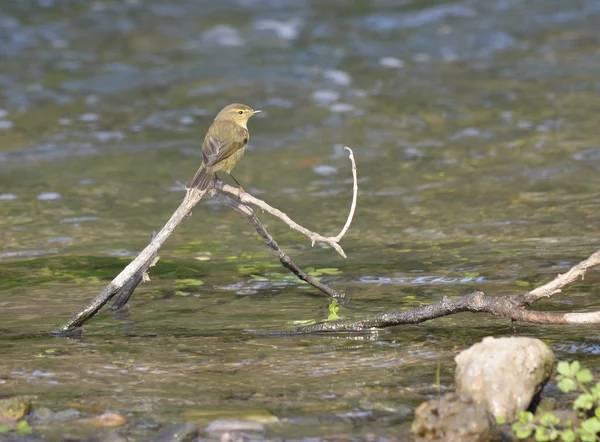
224	144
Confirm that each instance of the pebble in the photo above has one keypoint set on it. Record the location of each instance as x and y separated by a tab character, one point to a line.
338	77
324	170
89	117
391	62
341	107
48	196
106	420
234	425
223	35
179	433
7	196
5	124
285	30
325	96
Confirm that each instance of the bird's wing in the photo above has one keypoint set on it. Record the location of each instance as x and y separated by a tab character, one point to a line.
215	150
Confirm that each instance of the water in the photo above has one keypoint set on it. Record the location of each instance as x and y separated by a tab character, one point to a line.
474	127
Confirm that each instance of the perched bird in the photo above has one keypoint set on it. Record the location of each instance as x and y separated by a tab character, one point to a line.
224	144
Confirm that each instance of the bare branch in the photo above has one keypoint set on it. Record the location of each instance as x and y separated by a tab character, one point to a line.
509	306
314	237
126	281
560	281
285	260
140	276
142	260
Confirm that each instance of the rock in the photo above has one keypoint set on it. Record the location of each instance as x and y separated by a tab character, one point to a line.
503	374
225	427
179	433
106	420
14	408
16	438
45	415
451	419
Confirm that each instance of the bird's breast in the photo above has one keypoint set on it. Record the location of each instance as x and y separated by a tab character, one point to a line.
234	158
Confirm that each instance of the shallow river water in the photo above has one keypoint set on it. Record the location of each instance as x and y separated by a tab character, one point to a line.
475	130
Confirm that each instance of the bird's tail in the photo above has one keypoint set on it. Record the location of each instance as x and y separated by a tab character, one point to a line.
202	179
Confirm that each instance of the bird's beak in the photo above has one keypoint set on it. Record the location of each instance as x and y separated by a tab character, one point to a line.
256	112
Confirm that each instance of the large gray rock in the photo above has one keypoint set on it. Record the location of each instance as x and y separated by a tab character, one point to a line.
503	374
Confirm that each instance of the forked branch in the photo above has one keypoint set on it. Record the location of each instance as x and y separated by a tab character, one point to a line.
126	281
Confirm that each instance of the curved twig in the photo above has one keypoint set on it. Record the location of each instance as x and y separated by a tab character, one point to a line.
314	237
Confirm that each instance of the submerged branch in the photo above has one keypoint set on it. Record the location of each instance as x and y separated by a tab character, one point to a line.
508	306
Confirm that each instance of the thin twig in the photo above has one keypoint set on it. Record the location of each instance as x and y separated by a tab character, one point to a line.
286	261
560	281
314	237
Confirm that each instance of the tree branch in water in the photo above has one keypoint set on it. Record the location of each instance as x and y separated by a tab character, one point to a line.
508	306
126	281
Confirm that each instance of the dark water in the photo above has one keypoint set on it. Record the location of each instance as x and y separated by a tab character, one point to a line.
475	129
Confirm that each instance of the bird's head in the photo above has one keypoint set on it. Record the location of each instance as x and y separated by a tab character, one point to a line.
239	113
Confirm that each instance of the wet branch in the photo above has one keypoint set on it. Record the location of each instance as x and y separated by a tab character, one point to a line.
507	306
136	272
286	261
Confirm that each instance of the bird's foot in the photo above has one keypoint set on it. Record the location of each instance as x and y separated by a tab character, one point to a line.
240	192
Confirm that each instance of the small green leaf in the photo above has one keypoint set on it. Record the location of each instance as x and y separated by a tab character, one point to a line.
181	283
575	367
584	376
568	436
549	419
525	417
258	277
586	436
592	425
500	420
542	434
521	431
563	368
567	385
305	322
333	311
584	401
329	271
23	428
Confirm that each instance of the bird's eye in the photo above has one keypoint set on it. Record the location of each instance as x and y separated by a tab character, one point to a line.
241	112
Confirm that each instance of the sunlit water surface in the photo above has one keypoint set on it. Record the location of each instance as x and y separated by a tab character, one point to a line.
475	129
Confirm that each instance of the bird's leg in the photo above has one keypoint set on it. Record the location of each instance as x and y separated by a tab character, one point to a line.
240	186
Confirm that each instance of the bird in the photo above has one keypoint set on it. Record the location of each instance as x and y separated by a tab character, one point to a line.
224	144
